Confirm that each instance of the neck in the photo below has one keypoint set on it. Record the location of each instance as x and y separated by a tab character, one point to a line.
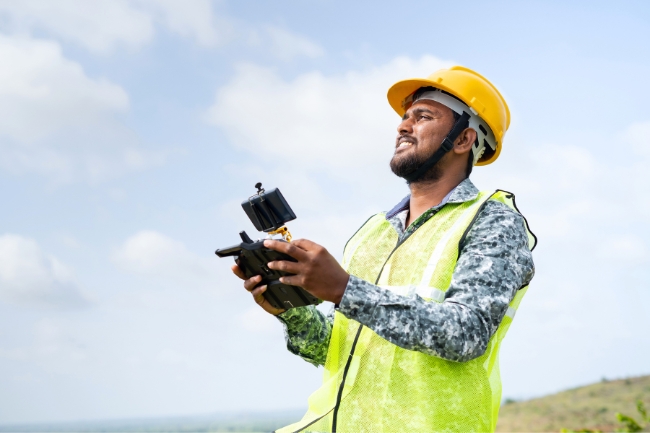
425	195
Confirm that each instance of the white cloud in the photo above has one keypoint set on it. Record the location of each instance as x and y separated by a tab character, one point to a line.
638	135
58	121
326	123
42	92
154	254
29	276
100	25
190	18
286	45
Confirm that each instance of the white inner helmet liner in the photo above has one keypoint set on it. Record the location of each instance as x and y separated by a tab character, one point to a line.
484	135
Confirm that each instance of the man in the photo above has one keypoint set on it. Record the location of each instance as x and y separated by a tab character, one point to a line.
427	290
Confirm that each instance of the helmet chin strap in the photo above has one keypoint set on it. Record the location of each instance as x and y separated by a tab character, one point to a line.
446	146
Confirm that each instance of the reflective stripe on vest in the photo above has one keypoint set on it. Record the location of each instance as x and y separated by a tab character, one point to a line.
387	388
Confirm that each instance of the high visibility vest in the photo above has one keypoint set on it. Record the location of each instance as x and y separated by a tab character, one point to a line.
372	385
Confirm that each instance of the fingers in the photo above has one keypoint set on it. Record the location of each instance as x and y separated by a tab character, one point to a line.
307	249
293	280
258	294
252	282
285	266
305	244
238	271
286	248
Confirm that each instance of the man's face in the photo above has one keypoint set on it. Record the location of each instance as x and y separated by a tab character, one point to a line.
423	128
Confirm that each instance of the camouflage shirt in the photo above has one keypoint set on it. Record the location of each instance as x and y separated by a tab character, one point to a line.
494	262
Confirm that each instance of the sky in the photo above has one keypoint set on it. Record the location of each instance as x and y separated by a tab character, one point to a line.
131	130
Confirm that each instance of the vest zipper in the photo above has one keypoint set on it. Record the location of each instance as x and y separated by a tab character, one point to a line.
339	396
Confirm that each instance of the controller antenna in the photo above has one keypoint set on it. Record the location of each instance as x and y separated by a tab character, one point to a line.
258	185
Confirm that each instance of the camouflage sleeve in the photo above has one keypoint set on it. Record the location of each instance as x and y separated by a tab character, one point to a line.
494	263
307	332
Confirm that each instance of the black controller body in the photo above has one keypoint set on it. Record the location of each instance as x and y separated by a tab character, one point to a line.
252	258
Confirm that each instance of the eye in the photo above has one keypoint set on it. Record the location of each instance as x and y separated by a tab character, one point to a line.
423	116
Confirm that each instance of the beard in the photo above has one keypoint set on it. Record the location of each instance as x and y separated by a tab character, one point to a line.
403	165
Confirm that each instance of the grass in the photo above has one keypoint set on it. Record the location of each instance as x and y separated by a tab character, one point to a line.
592	407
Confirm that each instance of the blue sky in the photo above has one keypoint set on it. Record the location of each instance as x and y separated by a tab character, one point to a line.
130	131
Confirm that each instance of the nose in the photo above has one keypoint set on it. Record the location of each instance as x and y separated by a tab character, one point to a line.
405	126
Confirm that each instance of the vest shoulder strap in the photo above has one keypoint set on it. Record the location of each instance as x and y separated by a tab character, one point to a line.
357	238
508	199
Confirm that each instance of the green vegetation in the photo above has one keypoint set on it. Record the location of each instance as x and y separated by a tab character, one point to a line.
629	424
598	407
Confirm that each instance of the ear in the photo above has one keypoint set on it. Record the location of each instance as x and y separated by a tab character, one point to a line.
464	142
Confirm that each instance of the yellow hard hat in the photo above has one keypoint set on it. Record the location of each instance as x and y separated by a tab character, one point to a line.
483	99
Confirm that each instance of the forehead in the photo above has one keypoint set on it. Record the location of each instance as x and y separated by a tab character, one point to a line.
430	105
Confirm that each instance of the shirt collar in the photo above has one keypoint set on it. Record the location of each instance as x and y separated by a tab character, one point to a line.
464	191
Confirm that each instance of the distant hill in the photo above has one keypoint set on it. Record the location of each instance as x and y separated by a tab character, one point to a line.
591	407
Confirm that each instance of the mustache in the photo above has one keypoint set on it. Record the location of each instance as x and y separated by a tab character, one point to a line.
405	137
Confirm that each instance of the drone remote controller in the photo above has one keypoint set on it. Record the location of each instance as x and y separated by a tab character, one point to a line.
268	211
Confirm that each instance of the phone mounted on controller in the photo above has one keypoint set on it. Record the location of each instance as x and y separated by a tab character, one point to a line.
269	212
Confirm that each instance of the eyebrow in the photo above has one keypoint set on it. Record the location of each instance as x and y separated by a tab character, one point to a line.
420	110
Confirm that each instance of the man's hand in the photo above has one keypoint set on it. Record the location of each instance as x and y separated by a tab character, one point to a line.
249	284
316	270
